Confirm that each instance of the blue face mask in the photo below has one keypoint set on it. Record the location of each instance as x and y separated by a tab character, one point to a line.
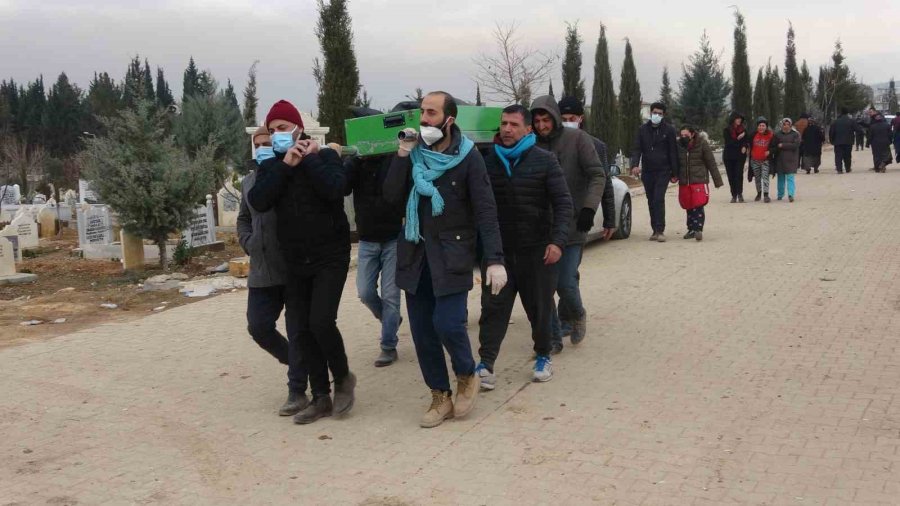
264	153
283	141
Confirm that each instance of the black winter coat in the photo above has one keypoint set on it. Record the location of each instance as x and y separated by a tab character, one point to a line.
449	243
608	200
377	220
309	202
843	131
731	149
813	137
534	207
657	148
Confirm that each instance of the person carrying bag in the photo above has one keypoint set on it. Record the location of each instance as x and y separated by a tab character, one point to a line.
697	164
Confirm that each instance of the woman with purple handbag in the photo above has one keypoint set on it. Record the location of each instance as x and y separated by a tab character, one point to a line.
697	164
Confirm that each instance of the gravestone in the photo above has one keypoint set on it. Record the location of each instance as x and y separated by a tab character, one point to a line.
132	250
39	198
94	225
229	206
201	230
7	258
10	195
86	194
25	229
47	221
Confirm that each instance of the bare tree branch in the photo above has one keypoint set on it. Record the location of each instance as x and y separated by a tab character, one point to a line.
513	71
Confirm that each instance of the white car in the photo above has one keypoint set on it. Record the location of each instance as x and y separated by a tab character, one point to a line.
623	210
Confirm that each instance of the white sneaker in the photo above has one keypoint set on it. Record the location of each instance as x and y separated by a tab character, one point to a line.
543	368
487	378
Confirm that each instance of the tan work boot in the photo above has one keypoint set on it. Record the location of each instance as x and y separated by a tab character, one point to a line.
466	390
441	409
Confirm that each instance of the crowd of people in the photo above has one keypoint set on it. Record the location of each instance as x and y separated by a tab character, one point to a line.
430	214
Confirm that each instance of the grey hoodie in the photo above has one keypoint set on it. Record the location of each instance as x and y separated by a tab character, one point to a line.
257	233
578	159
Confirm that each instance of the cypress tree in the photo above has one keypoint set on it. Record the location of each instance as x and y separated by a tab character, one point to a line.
133	87
703	89
9	105
742	93
250	100
794	97
665	92
573	84
148	93
337	75
231	97
774	87
164	96
629	100
761	97
550	92
478	101
30	113
104	100
893	105
191	81
604	117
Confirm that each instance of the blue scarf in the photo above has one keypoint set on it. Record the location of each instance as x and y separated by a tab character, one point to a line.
513	154
427	166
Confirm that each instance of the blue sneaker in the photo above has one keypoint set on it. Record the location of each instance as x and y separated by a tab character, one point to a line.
543	368
487	378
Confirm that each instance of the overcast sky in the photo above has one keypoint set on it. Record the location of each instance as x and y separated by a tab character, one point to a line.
404	44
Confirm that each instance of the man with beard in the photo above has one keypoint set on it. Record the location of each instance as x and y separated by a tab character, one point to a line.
586	178
534	210
441	178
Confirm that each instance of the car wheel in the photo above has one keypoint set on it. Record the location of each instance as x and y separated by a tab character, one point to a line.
624	226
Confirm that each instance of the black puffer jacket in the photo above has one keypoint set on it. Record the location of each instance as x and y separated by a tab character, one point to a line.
309	202
657	148
449	243
377	220
533	206
733	146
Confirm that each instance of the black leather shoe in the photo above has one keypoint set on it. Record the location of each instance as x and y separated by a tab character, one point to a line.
386	358
343	394
320	407
295	403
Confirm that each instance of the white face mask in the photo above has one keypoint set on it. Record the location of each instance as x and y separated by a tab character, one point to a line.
656	119
571	124
430	134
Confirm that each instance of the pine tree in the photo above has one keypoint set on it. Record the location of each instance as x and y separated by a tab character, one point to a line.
164	96
742	94
703	89
573	84
665	92
64	117
231	97
478	101
629	100
761	97
604	116
135	88
893	105
207	85
213	119
337	74
104	100
794	96
250	100
9	105
774	93
191	82
550	92
151	184
30	114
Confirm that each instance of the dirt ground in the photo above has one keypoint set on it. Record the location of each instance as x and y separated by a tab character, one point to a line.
73	289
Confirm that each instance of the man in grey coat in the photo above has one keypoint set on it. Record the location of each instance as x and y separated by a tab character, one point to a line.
265	301
586	178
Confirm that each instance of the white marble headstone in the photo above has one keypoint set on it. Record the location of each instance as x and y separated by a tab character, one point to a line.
7	258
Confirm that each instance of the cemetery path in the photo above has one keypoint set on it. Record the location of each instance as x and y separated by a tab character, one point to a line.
759	366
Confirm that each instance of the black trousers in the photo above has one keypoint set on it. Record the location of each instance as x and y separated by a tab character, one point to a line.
656	184
860	140
264	306
734	169
535	283
312	301
843	156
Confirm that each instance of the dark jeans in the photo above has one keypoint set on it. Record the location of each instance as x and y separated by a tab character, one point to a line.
735	171
312	306
535	283
438	323
897	148
860	140
656	184
571	307
264	306
696	218
843	156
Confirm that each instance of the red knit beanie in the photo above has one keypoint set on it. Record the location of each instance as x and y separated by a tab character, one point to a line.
286	111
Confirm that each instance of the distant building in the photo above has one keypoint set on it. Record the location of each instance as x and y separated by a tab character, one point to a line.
881	100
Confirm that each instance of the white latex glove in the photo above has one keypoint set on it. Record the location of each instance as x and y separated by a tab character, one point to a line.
495	277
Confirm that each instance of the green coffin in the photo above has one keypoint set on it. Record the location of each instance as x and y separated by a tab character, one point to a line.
377	135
